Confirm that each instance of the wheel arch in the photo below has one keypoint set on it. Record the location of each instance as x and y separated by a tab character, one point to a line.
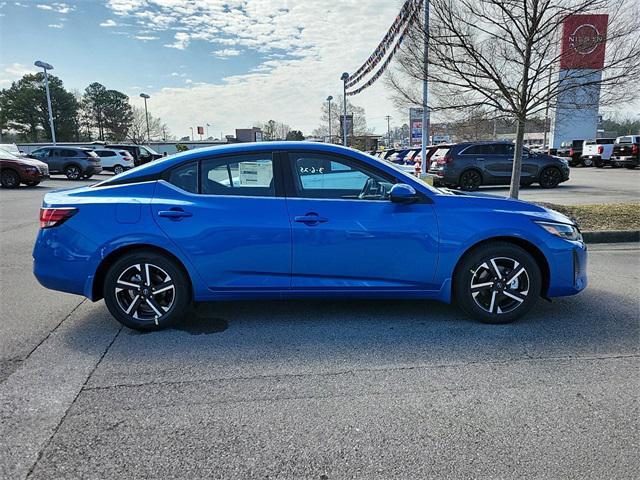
109	260
526	245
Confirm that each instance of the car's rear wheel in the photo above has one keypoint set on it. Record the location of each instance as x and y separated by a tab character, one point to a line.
146	291
470	180
118	169
9	179
587	162
73	172
550	177
32	184
497	283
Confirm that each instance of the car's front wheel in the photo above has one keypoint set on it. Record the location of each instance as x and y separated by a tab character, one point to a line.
497	283
146	291
550	177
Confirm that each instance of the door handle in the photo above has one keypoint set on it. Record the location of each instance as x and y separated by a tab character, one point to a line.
310	219
174	214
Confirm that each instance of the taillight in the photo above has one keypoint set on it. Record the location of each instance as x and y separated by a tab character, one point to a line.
52	217
600	149
634	149
448	158
571	152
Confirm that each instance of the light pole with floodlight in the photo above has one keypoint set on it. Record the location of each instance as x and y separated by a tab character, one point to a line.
329	98
146	114
344	78
45	66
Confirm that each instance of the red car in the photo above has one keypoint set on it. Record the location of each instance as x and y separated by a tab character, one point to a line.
15	170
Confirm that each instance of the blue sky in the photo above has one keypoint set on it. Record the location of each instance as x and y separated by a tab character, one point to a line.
229	63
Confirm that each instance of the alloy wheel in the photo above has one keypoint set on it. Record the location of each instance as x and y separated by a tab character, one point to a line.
550	177
118	169
9	179
145	292
470	180
72	173
500	285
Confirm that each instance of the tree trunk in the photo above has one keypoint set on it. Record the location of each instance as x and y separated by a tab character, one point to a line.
517	160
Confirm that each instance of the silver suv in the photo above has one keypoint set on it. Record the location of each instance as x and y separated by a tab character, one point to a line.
74	162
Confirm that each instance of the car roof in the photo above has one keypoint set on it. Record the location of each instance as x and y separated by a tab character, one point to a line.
157	166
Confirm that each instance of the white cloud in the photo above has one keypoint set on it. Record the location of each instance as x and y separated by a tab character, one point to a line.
109	23
145	38
182	41
55	25
13	72
303	46
226	53
61	8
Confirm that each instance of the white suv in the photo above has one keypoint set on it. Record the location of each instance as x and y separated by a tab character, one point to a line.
115	160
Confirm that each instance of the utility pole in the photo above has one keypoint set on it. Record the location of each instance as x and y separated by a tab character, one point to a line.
388	117
425	90
329	98
344	78
45	66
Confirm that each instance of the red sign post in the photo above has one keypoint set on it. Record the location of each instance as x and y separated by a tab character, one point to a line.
583	41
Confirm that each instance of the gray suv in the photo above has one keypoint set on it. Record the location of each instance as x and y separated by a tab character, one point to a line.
74	162
470	165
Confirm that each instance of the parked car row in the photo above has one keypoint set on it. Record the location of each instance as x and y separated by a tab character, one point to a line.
75	163
617	152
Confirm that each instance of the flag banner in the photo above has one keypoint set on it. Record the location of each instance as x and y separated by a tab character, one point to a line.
384	66
406	16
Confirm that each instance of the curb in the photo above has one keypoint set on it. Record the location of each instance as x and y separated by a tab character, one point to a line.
619	236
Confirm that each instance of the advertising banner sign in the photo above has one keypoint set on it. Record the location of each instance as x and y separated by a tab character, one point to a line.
415	126
583	41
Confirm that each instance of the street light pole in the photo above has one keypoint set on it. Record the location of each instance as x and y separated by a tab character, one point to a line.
329	98
425	90
344	78
191	133
388	117
45	66
146	114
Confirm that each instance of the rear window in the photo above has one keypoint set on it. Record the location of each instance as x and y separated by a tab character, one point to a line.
628	139
105	153
440	152
605	141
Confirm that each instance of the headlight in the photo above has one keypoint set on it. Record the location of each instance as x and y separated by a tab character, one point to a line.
31	169
562	230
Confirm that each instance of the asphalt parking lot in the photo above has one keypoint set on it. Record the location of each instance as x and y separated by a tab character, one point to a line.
322	390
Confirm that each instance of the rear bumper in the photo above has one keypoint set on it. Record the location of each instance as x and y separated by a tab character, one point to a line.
627	160
93	170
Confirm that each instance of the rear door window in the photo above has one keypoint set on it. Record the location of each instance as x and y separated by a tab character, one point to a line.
185	177
239	175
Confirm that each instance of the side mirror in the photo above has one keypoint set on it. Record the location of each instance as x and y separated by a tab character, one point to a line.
402	193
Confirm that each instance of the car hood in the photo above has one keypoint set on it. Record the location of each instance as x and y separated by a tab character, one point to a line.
26	161
484	202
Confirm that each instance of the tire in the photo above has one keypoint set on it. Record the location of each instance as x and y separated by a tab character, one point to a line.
9	179
126	288
470	180
599	164
32	184
73	172
118	169
587	162
550	177
488	302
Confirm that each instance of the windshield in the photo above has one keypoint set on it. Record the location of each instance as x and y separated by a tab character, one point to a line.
403	174
149	150
7	155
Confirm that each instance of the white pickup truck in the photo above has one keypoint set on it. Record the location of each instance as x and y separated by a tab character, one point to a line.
597	152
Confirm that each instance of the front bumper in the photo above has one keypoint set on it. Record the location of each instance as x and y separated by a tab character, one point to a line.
568	270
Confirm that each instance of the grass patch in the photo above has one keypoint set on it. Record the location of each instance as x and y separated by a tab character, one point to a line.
591	218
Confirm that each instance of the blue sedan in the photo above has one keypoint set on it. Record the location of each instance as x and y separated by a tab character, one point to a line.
285	220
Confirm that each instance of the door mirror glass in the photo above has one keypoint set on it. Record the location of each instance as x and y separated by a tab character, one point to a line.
403	193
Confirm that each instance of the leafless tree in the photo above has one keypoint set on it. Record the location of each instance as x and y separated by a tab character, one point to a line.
503	56
337	110
138	129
